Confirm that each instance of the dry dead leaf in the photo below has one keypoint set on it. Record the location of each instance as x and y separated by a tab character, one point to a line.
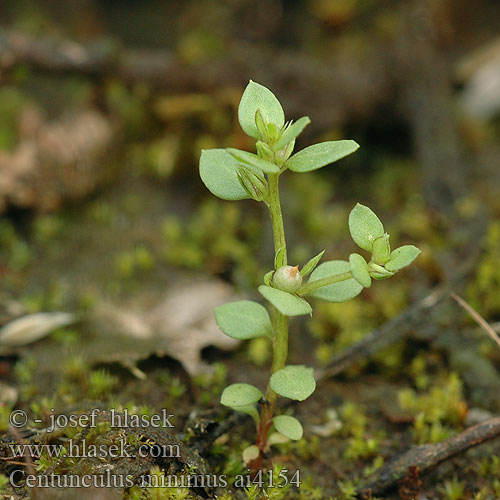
180	325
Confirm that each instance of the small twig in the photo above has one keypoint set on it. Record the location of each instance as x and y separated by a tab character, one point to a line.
27	459
13	462
477	318
428	456
382	337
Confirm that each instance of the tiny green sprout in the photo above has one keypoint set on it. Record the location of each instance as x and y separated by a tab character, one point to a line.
232	174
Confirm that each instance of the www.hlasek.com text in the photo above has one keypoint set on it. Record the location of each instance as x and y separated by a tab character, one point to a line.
82	449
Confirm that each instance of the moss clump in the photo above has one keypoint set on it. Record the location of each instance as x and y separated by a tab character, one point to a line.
438	411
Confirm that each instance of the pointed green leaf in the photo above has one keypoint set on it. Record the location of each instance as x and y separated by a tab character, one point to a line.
294	382
359	269
260	124
279	258
402	257
310	265
381	250
268	278
243	320
286	303
253	160
257	97
292	132
237	395
321	154
273	132
283	155
365	226
288	426
338	292
264	150
219	173
379	272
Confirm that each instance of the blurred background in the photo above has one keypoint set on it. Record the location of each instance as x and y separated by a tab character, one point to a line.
104	108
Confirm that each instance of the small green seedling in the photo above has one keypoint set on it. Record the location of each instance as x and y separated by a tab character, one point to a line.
232	174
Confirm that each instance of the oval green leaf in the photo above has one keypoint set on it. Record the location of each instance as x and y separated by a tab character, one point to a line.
321	154
243	320
292	132
256	97
359	269
236	395
219	173
402	257
288	426
337	292
294	382
249	410
253	160
250	453
277	438
365	227
286	303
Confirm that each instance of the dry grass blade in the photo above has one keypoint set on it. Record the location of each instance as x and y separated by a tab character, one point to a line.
477	318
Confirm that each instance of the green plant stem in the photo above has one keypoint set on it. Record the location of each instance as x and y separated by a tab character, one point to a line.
330	280
274	206
281	323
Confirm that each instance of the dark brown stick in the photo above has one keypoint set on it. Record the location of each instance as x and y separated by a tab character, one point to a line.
428	456
28	462
387	334
100	59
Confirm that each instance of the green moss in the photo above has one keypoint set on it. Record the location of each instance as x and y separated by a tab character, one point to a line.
129	263
46	228
5	411
308	490
259	351
348	490
100	383
483	293
438	411
198	243
14	250
24	372
173	387
360	443
4	483
211	383
454	489
270	485
159	492
11	104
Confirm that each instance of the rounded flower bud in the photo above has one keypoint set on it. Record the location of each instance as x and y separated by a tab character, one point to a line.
287	278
